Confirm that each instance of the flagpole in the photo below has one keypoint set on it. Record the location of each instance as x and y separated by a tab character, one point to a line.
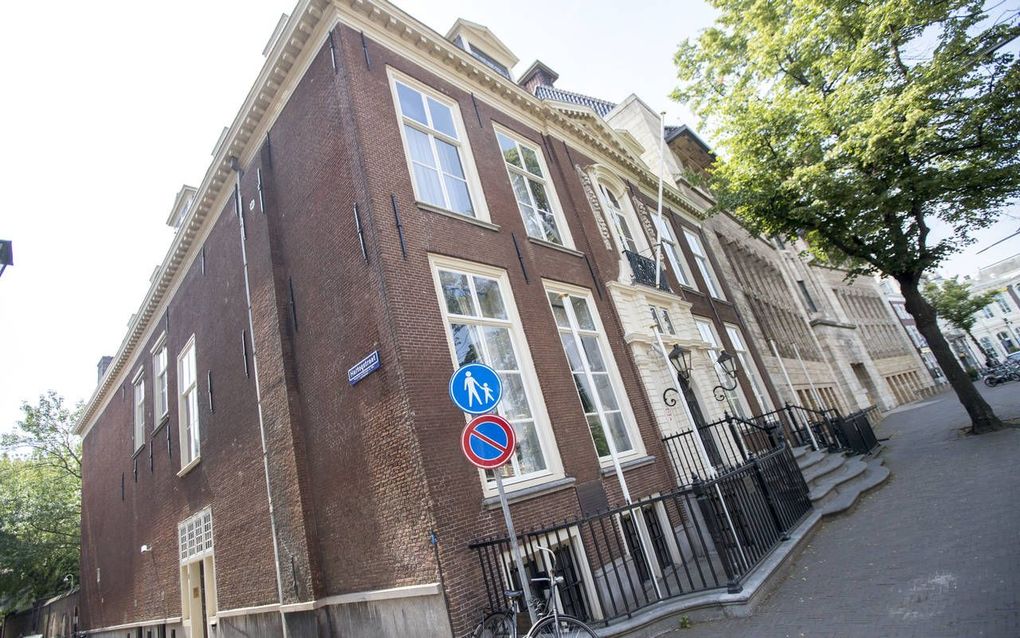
658	223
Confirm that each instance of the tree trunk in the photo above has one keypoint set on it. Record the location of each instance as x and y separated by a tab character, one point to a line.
980	350
982	418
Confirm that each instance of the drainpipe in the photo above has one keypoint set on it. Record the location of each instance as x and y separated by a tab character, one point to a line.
236	165
803	368
782	366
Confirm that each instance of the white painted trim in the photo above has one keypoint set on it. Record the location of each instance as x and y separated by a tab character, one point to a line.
475	191
142	623
615	379
393	593
547	182
249	611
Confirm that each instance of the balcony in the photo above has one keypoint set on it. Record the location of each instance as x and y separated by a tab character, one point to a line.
643	270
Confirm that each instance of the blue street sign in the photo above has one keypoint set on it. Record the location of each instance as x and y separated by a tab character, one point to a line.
363	368
476	388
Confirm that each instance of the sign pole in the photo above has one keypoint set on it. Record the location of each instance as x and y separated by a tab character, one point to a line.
514	548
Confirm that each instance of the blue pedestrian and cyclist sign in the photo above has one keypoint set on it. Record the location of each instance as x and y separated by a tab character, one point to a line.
476	388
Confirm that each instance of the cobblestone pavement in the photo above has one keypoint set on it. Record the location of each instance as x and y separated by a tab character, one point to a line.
934	552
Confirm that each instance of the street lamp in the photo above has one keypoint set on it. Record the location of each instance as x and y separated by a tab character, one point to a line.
680	358
729	366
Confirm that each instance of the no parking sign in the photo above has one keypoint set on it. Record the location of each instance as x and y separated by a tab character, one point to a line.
488	441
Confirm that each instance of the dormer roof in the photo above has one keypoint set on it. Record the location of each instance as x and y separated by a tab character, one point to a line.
478	37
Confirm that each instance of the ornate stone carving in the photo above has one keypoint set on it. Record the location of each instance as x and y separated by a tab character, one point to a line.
644	214
596	207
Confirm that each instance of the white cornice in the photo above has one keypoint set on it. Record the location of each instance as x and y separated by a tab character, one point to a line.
284	67
266	90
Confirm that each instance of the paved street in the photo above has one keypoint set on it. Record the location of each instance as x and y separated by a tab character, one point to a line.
933	553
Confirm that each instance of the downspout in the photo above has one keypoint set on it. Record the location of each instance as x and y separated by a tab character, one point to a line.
235	164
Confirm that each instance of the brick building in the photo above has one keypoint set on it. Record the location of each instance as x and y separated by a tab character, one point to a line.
389	192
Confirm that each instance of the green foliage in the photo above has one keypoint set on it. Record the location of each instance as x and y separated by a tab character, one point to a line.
40	503
954	302
860	125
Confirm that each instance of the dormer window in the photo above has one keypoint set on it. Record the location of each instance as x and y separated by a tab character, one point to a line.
489	61
483	45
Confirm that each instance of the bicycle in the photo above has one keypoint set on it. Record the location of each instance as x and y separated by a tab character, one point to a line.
550	624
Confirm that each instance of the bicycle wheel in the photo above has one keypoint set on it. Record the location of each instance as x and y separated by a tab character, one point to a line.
499	624
567	627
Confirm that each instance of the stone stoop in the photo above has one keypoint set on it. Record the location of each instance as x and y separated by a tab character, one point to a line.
835	482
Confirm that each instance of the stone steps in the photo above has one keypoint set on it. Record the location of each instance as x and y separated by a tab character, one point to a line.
827	487
848	493
817	471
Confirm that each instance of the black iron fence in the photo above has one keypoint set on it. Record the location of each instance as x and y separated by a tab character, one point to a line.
733	441
728	443
703	536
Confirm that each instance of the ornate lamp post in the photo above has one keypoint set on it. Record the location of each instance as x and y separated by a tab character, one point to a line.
680	358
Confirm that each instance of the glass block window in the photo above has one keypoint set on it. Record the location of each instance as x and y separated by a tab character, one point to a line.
195	536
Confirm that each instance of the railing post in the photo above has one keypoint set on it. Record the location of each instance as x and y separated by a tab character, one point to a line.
735	436
715	530
769	500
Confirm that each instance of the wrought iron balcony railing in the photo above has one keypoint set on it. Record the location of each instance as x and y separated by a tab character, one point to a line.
643	270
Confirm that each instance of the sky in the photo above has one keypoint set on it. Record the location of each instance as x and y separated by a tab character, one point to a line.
111	106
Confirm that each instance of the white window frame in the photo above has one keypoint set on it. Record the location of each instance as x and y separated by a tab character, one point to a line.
615	380
674	254
1003	304
545	180
190	432
747	364
736	401
704	264
475	192
161	383
138	408
543	424
195	546
605	180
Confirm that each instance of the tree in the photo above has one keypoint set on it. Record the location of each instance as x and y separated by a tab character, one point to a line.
883	132
40	503
954	302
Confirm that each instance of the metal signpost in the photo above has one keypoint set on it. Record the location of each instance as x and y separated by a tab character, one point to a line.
488	442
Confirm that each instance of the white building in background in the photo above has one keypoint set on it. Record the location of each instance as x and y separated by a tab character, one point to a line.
997	328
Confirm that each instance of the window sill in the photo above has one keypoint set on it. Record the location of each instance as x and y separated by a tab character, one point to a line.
549	244
163	420
458	216
629	464
138	451
190	466
527	493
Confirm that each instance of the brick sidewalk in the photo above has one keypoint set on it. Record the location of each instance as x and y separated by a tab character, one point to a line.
933	553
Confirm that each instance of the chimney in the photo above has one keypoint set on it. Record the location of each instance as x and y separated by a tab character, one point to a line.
103	364
538	74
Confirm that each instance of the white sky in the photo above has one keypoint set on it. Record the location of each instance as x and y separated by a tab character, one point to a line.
111	106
